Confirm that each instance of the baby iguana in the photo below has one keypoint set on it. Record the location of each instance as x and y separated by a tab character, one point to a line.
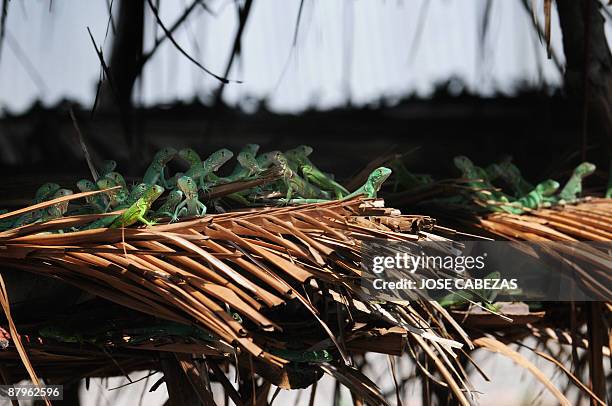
478	180
512	175
104	222
191	206
200	172
538	196
314	175
405	178
294	182
59	209
266	159
97	202
137	211
375	181
117	178
107	167
155	171
167	209
298	156
190	155
370	188
43	193
115	197
573	188
247	165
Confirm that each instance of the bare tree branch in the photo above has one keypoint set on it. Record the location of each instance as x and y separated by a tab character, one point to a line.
181	50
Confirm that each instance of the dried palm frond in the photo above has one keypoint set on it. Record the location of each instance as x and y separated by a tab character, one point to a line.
269	284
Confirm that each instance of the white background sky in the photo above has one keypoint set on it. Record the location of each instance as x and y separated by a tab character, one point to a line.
357	48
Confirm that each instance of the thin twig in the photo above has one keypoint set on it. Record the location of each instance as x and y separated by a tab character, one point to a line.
181	50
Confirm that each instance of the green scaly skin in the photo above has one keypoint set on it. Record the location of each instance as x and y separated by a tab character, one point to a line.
537	197
314	175
266	160
155	171
407	179
247	166
478	180
137	211
59	209
573	188
370	188
191	156
97	202
375	181
43	193
191	206
298	157
200	173
512	175
494	172
104	222
293	182
107	167
169	206
115	197
117	178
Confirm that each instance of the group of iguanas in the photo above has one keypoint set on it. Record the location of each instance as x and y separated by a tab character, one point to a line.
524	196
483	185
300	182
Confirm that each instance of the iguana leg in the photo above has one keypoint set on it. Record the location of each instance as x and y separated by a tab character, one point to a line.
202	208
180	209
147	222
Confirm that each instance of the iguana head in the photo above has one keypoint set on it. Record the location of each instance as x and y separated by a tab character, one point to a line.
138	191
463	163
174	197
46	189
378	176
266	158
495	171
218	158
62	193
164	155
190	155
299	152
188	186
250	148
247	160
85	185
152	193
548	187
584	169
108	166
279	159
117	177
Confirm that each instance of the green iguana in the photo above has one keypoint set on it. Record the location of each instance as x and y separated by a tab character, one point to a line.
155	171
138	209
201	172
191	206
573	188
167	209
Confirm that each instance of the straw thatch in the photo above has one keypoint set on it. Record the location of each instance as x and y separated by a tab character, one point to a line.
273	288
